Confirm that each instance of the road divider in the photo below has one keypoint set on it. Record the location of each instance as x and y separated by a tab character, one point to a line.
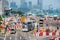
47	34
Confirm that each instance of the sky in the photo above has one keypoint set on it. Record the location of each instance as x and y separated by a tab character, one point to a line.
46	3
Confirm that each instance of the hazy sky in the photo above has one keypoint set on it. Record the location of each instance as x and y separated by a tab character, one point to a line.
55	3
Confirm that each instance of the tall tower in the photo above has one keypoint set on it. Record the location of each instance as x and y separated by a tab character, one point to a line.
3	6
30	4
22	3
39	3
13	5
50	6
51	10
23	6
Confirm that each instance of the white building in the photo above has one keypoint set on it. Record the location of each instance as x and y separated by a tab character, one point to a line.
3	6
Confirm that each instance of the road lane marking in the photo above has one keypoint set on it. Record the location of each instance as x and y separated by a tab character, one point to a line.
10	38
20	37
16	36
5	37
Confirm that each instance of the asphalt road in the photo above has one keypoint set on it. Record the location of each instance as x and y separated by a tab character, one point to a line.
1	39
11	37
20	36
16	36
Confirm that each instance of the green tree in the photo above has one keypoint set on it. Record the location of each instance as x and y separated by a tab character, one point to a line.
12	11
0	19
20	13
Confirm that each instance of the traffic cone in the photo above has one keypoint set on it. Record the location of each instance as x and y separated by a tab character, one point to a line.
59	38
41	34
53	33
52	39
47	33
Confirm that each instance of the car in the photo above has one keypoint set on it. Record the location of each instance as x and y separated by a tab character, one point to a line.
13	31
30	25
55	18
12	23
27	26
32	20
41	22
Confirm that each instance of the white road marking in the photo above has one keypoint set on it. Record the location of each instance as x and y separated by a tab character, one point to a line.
5	37
16	36
20	38
29	37
10	38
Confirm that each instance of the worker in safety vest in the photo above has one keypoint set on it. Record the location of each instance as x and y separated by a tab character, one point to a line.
22	18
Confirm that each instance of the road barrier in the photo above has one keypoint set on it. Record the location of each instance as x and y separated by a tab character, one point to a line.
48	34
52	39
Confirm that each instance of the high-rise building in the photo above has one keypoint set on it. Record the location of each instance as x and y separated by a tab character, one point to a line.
30	4
13	5
51	9
39	3
23	4
1	7
4	5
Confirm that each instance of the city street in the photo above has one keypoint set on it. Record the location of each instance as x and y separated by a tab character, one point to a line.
22	36
29	19
18	36
26	35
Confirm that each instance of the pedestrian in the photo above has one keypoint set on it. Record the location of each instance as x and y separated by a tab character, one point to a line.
46	23
6	27
47	30
57	28
37	28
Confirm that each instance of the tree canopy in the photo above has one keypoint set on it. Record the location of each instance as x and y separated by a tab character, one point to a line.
20	13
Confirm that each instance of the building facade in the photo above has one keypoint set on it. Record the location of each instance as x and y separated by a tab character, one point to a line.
30	4
39	3
13	5
4	5
23	4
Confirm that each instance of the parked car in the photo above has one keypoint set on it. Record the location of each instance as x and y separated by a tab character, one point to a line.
41	22
27	26
13	31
